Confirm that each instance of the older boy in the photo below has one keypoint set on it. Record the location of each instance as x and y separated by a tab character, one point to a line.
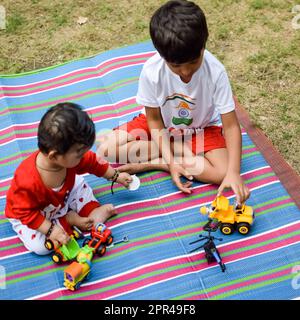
184	90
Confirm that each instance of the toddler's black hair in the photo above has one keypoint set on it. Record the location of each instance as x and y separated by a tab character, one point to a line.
64	125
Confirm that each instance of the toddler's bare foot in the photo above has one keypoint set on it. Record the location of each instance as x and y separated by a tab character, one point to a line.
83	223
101	214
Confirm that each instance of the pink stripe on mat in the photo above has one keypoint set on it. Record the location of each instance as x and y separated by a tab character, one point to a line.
214	293
76	73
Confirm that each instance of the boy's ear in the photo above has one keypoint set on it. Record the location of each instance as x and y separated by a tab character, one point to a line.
52	155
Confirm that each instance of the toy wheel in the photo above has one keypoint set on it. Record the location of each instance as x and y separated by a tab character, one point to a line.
109	240
86	241
68	286
49	244
57	258
243	227
101	250
77	234
226	228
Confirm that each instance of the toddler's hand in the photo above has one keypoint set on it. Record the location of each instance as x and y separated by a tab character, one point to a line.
125	179
59	235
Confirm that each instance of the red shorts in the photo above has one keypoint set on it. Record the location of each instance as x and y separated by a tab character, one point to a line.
212	139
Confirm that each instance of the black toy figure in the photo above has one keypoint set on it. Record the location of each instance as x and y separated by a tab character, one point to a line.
211	252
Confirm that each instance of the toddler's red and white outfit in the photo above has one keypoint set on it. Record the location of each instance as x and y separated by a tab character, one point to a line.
29	201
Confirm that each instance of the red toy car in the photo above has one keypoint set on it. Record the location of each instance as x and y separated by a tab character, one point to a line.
100	238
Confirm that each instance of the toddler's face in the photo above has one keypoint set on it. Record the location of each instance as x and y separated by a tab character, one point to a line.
186	70
72	158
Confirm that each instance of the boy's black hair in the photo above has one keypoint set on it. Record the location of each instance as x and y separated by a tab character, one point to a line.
64	125
179	31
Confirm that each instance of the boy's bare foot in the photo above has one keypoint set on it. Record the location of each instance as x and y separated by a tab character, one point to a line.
83	223
101	214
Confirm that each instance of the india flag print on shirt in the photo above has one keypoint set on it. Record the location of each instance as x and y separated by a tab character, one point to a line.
184	104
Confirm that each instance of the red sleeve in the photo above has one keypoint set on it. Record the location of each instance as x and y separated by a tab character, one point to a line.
23	199
21	204
90	164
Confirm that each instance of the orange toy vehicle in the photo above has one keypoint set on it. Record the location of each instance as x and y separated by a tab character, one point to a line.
75	274
100	238
230	217
78	271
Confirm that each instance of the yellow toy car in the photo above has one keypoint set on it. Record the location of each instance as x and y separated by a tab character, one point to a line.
229	216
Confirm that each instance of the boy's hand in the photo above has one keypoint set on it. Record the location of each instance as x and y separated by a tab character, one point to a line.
125	179
176	172
58	235
236	183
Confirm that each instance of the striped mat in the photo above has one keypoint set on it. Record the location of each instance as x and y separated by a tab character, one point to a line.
160	222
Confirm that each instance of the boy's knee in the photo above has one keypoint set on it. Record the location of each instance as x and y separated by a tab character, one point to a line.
102	150
109	151
215	176
194	166
108	145
220	175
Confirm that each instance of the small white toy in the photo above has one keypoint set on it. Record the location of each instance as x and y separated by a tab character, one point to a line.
135	184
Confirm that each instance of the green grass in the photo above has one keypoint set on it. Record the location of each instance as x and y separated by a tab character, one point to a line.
14	22
254	39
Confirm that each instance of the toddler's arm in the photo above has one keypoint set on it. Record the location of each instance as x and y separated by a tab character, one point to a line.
101	168
121	177
54	232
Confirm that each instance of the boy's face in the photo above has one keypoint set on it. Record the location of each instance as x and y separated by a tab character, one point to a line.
72	158
186	70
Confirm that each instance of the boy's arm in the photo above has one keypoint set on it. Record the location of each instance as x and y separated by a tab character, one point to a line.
233	137
161	139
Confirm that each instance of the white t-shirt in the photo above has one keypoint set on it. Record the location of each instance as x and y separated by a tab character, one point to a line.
189	106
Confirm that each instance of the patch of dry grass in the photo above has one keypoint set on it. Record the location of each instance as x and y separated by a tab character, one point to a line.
253	38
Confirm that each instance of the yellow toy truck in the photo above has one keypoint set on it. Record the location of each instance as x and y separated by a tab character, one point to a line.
230	217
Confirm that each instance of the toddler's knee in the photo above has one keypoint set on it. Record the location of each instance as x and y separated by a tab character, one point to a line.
38	248
41	251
